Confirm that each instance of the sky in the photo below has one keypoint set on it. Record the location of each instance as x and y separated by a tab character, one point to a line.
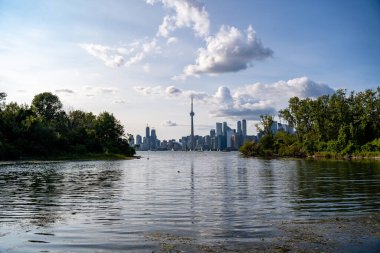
142	60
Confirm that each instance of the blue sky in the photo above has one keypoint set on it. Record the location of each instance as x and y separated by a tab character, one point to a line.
142	60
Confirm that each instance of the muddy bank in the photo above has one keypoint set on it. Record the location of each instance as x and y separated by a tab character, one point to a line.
360	234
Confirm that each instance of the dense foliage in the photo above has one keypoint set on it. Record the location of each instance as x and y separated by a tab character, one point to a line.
332	125
45	130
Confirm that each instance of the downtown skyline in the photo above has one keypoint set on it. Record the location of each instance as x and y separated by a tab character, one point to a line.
143	60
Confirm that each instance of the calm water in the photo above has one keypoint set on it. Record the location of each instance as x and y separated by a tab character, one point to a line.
211	197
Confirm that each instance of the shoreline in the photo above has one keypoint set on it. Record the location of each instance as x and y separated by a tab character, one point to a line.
58	159
335	234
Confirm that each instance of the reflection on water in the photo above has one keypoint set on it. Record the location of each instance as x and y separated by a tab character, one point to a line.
209	196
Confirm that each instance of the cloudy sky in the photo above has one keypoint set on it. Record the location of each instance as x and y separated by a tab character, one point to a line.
142	60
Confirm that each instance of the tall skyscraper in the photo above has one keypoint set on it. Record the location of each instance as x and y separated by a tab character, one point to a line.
225	128
219	128
239	127
147	132
244	123
147	138
192	126
153	139
138	139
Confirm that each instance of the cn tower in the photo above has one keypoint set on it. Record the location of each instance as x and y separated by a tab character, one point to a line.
192	126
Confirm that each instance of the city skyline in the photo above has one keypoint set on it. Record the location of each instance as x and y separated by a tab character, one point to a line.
221	138
143	60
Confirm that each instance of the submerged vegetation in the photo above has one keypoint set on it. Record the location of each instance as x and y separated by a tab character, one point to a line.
44	130
337	125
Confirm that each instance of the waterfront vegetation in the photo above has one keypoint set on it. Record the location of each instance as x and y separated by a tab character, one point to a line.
331	126
43	130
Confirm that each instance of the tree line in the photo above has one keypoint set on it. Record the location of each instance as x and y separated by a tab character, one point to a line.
44	130
334	125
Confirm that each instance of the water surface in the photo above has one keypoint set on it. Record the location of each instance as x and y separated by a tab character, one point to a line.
210	197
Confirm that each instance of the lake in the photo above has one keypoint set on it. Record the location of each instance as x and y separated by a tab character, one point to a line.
198	199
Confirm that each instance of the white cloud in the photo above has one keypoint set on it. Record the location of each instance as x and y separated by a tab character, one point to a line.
169	123
148	90
67	91
151	2
302	87
171	40
100	90
108	55
187	13
122	56
229	50
173	91
249	101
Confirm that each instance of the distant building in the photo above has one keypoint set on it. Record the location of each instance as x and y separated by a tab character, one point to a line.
239	131
138	139
131	140
244	129
153	140
219	129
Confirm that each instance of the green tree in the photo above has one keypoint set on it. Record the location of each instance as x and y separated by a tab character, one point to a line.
47	105
265	126
3	95
110	133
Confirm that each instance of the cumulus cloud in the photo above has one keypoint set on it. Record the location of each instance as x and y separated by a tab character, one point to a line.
169	123
302	87
122	56
173	91
248	101
185	13
67	91
230	50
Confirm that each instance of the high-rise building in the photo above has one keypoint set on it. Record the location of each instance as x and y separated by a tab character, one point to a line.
219	129
225	128
192	140
239	127
146	142
212	133
229	134
138	139
147	132
131	140
153	139
244	123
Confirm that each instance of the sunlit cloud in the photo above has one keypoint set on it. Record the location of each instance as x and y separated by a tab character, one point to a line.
230	50
248	101
122	56
183	14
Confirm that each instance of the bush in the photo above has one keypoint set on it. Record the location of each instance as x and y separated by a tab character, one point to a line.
249	148
373	146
